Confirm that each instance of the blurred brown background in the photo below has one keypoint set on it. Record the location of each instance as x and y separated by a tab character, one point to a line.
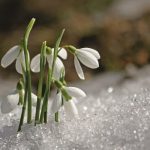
118	29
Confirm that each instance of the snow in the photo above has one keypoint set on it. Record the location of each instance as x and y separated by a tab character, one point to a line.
114	116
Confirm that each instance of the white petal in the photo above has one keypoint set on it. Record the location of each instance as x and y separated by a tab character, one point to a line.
70	108
58	67
56	103
74	100
78	68
50	60
92	51
75	92
19	62
10	56
52	51
34	99
62	53
87	59
35	63
10	102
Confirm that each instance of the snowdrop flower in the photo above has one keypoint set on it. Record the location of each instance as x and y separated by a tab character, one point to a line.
15	53
10	102
35	63
69	105
88	57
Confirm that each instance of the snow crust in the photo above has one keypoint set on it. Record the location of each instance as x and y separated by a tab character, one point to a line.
114	116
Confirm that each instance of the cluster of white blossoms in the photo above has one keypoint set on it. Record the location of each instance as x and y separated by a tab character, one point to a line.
35	63
87	56
65	97
69	105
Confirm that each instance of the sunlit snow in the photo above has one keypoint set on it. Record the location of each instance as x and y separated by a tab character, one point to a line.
114	116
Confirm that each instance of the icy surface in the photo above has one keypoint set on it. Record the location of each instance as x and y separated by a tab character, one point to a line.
114	116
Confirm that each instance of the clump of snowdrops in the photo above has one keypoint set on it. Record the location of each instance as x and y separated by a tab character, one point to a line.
48	59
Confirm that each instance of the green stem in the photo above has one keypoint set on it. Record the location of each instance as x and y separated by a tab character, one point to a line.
28	74
46	95
57	116
21	97
20	90
56	48
23	108
43	116
29	119
40	85
24	98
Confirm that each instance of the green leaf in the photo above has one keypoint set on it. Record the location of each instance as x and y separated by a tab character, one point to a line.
58	43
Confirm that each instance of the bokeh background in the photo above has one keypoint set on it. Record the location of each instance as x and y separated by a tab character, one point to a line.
118	29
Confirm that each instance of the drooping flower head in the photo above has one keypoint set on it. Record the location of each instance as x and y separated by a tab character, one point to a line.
35	63
65	97
87	56
14	53
11	101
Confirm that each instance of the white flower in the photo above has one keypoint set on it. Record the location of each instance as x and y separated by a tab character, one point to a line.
75	92
10	102
56	103
35	63
88	57
69	106
15	53
71	109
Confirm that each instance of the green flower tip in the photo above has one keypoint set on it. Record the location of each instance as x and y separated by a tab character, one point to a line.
65	94
20	85
48	50
60	86
70	48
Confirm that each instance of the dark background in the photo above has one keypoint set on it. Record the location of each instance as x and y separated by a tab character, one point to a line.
119	30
